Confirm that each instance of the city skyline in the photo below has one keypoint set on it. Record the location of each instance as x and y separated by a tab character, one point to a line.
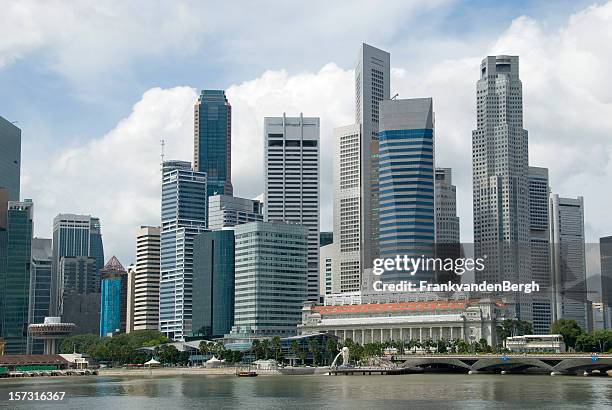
244	93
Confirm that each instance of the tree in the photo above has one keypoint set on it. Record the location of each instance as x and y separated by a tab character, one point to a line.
256	348
295	348
313	348
567	328
276	347
332	349
265	347
512	327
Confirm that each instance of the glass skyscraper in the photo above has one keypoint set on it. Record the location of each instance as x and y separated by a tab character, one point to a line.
213	283
40	288
15	265
213	141
113	302
184	215
406	178
10	158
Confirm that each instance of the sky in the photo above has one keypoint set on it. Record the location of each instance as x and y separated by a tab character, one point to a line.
95	87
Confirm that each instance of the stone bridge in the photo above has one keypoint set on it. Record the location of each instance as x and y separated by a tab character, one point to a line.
510	363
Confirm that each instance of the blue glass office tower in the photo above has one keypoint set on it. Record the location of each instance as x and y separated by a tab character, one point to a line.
10	158
184	215
406	178
213	283
213	141
113	302
15	265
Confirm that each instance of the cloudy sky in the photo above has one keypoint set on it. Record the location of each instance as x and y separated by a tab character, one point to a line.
95	86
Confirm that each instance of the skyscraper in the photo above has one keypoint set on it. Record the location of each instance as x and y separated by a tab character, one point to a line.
270	287
568	259
15	269
113	304
605	251
183	216
10	158
146	279
40	287
372	85
81	293
539	247
73	235
500	171
406	178
227	211
213	283
349	223
447	221
292	181
213	141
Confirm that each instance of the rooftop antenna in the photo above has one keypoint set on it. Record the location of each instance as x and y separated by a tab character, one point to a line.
163	145
395	96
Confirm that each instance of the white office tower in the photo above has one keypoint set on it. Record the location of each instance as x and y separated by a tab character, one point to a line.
568	259
326	278
225	211
292	181
539	237
447	221
372	85
183	216
146	279
500	169
348	223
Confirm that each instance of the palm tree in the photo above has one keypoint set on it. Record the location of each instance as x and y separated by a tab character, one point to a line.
295	348
265	347
276	346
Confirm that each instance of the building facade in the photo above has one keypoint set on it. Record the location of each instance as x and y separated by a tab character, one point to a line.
213	283
539	247
292	181
372	85
81	293
500	170
184	215
113	303
326	278
213	141
73	235
15	270
40	288
605	252
271	266
227	211
10	158
406	179
447	221
146	279
568	259
469	320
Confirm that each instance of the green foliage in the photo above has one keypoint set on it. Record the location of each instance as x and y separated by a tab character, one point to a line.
512	327
599	341
569	329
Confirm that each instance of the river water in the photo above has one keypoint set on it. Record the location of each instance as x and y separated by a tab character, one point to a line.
416	391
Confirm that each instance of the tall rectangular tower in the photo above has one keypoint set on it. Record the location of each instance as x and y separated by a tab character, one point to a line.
568	259
539	247
15	269
40	288
605	252
500	169
292	181
146	279
184	215
447	221
406	178
10	158
372	85
213	141
227	211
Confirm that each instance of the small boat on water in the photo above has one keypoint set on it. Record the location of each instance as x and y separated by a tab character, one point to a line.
246	373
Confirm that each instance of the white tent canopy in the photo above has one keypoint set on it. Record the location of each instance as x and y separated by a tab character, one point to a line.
151	362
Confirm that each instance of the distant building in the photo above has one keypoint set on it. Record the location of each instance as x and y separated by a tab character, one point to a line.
325	238
326	279
270	285
468	320
40	288
447	221
81	293
227	211
213	283
291	146
598	316
73	235
213	141
113	305
183	216
535	344
131	298
146	279
10	158
605	251
15	271
539	247
568	259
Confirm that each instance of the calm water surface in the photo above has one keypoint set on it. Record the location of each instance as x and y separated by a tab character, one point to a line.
425	391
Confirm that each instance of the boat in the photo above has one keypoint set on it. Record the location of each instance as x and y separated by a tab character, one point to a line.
246	373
